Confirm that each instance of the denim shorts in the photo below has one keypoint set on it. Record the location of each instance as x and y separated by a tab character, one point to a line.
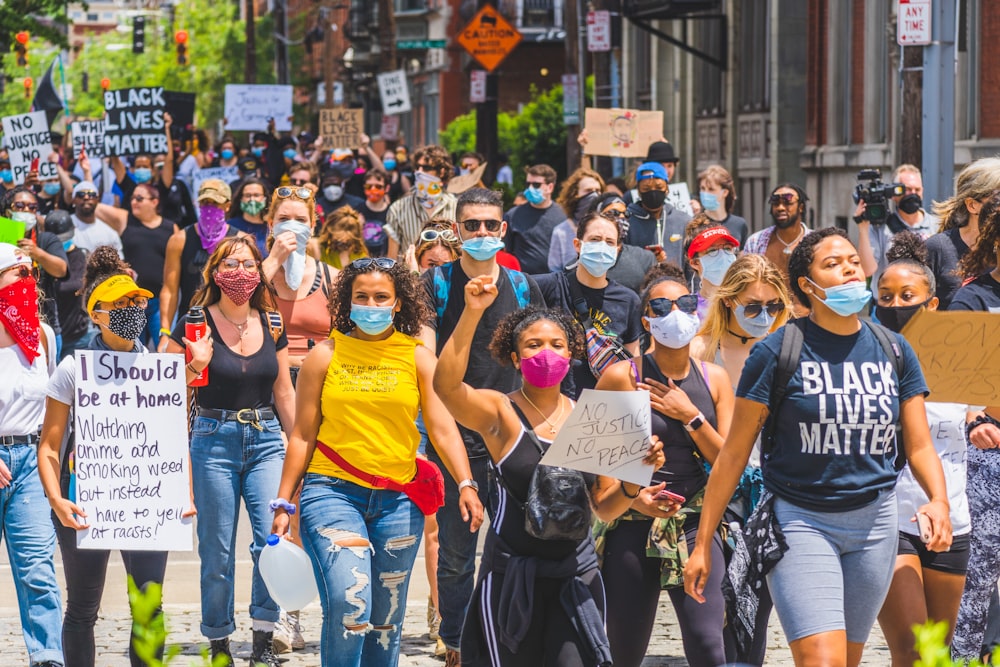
837	570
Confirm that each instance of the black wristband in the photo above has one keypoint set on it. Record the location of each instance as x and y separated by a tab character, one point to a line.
858	219
979	421
627	494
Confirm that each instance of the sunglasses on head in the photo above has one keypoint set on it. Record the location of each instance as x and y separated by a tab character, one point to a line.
474	225
379	262
786	198
284	192
430	235
754	309
686	304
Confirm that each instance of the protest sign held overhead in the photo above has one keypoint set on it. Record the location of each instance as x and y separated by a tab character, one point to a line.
250	107
88	135
621	132
26	137
133	121
131	459
394	92
341	128
608	433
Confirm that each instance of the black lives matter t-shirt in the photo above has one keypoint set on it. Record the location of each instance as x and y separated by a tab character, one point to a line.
835	443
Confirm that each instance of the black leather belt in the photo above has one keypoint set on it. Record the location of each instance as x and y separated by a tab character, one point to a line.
10	440
244	416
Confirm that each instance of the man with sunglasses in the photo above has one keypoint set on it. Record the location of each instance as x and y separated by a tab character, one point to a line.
531	224
788	211
91	231
480	229
426	200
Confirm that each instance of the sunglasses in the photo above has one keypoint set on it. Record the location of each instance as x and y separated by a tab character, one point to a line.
474	225
431	235
366	262
372	186
299	182
24	206
23	271
536	184
285	192
230	264
140	198
754	309
686	304
86	194
787	199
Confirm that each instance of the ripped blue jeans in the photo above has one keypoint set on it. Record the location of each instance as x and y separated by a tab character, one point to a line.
362	543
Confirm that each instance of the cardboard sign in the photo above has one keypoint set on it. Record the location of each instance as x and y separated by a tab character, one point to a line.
341	128
959	355
621	132
224	174
11	231
88	135
249	107
131	456
679	197
607	433
390	128
133	121
395	92
27	137
489	38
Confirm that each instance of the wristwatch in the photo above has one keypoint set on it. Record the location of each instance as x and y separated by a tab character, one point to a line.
468	482
695	423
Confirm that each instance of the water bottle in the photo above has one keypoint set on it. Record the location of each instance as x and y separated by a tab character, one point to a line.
196	328
288	574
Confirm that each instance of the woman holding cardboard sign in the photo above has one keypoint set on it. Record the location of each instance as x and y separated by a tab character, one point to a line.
116	305
510	621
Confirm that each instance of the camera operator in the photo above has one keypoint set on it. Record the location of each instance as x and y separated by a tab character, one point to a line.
874	240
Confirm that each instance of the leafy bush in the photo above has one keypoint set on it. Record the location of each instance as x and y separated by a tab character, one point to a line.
934	652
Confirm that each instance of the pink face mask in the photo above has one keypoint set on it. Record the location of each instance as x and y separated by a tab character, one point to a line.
545	369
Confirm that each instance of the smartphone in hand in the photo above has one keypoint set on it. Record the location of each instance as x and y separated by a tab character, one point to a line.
671	496
655	249
924	527
34	165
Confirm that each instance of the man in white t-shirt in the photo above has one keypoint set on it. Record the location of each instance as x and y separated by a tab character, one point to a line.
91	232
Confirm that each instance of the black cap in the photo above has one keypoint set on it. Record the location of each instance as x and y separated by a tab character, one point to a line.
60	223
661	151
247	164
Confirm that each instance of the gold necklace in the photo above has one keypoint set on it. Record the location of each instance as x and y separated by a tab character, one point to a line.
552	426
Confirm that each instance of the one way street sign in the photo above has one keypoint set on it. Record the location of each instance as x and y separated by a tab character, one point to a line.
394	92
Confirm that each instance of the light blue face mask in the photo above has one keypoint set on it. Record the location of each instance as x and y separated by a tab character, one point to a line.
226	154
258	151
482	248
6	175
597	257
290	153
756	327
534	195
142	174
67	245
709	201
714	266
51	189
373	320
845	300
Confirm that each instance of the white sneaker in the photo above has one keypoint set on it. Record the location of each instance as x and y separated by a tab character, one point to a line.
298	641
433	620
282	640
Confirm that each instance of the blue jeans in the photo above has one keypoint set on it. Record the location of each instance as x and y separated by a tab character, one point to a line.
230	460
457	551
69	346
362	622
31	545
152	332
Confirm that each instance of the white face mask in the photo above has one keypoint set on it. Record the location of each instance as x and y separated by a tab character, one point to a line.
27	217
333	192
675	329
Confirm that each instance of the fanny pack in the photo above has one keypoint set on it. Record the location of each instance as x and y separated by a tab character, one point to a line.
602	349
426	489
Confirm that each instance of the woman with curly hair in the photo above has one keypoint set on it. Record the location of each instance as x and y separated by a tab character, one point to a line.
341	241
354	445
236	444
516	618
577	196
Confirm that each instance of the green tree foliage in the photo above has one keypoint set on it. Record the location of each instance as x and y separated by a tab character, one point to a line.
935	652
44	19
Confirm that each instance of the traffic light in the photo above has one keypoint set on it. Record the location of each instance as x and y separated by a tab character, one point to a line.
181	38
138	34
21	47
105	84
28	83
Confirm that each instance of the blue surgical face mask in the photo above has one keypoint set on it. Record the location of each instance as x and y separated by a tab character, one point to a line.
226	154
845	300
756	327
482	248
290	153
709	201
142	174
51	189
67	245
597	257
373	320
6	175
534	195
258	151
714	267
389	164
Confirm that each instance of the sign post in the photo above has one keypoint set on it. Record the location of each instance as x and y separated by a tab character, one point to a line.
477	86
394	92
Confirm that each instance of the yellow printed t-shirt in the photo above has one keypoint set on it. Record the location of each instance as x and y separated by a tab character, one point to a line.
369	405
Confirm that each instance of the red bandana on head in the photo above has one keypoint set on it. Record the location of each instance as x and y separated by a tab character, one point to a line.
19	315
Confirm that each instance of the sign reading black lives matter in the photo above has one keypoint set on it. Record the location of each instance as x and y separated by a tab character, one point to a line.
131	456
133	121
26	138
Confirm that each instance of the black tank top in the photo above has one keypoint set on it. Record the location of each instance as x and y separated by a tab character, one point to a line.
516	469
683	472
145	249
193	260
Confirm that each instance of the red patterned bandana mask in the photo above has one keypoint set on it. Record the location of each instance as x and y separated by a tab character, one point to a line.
238	285
19	315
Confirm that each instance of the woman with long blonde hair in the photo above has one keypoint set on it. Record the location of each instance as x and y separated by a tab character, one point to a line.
341	241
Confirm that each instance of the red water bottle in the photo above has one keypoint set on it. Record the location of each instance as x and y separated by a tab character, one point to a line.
196	328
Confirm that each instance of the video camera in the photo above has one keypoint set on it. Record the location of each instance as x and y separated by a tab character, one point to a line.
876	194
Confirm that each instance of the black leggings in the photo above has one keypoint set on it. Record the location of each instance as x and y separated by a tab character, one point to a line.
85	570
632	582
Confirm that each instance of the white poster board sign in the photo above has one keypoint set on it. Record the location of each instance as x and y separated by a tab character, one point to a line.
679	197
394	92
224	174
27	137
88	135
248	107
608	434
131	456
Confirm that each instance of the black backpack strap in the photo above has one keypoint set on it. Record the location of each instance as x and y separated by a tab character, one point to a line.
788	362
579	302
890	345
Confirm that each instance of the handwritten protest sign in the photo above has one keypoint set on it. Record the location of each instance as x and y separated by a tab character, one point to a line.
341	128
131	456
679	197
224	174
959	354
248	107
88	135
607	434
621	132
11	231
133	121
26	137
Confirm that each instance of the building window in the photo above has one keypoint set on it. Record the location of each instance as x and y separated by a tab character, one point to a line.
755	54
967	74
538	13
878	73
710	94
410	5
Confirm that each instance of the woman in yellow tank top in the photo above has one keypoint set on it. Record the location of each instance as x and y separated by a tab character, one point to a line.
358	394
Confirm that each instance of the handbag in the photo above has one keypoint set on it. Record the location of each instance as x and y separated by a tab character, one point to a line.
602	349
426	489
